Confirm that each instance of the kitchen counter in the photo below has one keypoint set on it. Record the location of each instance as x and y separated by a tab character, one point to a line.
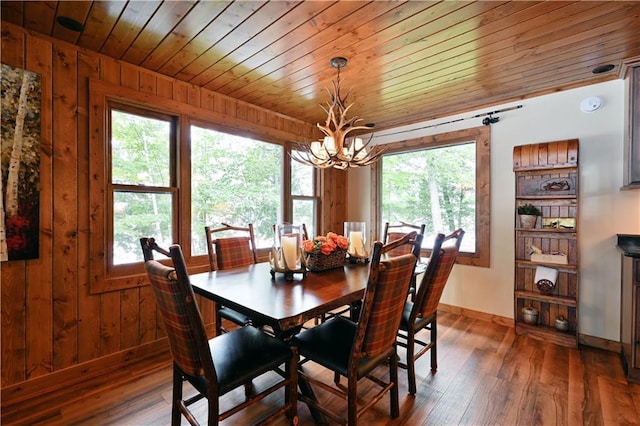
629	244
630	305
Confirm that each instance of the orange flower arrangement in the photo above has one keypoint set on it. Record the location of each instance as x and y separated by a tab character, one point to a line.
326	244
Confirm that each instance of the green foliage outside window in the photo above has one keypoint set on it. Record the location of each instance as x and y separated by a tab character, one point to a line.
234	180
433	186
140	161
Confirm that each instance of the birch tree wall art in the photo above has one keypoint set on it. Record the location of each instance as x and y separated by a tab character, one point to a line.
20	183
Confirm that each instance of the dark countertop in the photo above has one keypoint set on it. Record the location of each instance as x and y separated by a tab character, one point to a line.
629	244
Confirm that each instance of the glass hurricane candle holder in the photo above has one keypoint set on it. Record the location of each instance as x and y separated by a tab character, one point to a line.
356	233
286	254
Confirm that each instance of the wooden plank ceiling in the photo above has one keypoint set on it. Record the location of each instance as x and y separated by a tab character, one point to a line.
408	61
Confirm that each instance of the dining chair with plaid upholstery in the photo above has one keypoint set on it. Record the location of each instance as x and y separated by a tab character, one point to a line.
354	349
422	312
230	247
394	232
217	366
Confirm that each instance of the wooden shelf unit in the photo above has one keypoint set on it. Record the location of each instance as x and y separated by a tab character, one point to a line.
547	176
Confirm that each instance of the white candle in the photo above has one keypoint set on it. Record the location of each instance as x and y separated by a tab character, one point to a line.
357	246
290	251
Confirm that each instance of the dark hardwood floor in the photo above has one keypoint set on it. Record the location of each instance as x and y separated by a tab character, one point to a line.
486	375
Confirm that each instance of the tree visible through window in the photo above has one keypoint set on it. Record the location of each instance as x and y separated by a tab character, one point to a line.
235	180
150	180
434	186
443	181
142	181
303	196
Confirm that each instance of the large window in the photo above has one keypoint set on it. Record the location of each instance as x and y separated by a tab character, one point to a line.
443	182
435	186
234	180
155	170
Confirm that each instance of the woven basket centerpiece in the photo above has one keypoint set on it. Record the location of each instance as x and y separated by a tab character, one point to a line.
325	252
322	262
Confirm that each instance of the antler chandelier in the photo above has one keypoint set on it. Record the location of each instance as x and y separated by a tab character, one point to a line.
336	149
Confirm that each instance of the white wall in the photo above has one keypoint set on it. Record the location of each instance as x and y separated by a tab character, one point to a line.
604	210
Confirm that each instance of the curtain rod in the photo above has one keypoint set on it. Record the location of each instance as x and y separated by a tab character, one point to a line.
487	121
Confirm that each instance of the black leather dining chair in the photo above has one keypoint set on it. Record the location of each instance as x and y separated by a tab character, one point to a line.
230	246
217	366
354	349
422	313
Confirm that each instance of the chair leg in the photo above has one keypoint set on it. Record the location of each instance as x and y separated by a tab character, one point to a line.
177	397
411	360
352	399
218	320
393	376
434	337
213	405
249	390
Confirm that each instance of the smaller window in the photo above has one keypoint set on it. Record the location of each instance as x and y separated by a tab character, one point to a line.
303	196
142	177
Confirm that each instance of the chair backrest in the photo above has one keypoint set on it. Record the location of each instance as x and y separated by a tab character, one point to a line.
149	245
183	322
443	257
385	296
397	231
455	237
231	251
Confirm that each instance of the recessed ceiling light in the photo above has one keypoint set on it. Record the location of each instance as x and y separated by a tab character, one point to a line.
70	23
603	68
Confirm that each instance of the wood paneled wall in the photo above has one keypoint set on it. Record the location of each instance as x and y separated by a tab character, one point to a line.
50	321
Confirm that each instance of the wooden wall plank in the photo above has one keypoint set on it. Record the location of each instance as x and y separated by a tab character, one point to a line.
109	323
129	318
180	90
129	76
207	101
147	82
109	70
164	87
88	304
12	47
147	309
65	207
12	318
334	193
193	96
39	282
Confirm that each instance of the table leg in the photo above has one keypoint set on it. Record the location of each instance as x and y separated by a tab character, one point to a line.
306	390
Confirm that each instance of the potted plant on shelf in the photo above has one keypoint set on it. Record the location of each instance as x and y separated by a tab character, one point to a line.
528	214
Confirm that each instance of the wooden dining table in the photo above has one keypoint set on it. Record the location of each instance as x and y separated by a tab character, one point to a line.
283	305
